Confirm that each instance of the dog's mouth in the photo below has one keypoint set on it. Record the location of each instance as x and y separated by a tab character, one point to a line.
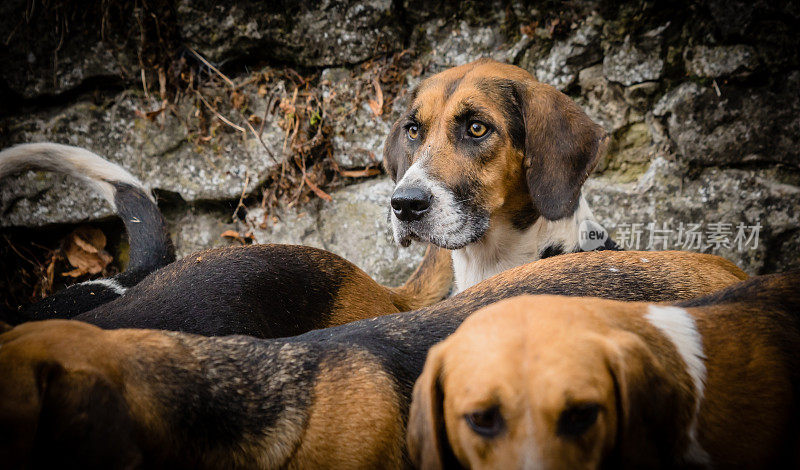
470	231
404	234
406	239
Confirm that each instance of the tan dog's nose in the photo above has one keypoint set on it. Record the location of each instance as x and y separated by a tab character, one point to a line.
412	203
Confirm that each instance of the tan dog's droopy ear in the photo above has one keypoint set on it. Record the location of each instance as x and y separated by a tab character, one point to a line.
650	415
78	419
562	146
84	419
427	441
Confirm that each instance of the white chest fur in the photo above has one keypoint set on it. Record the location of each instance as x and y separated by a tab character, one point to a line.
504	247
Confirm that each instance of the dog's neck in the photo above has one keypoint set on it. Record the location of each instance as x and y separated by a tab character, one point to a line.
504	247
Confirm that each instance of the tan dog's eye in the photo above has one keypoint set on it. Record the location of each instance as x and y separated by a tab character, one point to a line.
577	419
413	132
477	129
487	423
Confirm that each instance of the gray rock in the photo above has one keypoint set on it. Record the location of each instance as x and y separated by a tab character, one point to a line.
742	124
291	226
602	100
640	96
566	58
325	33
354	225
38	198
160	153
634	62
705	61
453	46
358	133
36	76
731	196
47	50
629	153
193	229
360	141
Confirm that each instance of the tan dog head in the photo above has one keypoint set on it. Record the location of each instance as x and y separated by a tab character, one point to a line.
486	142
546	383
59	406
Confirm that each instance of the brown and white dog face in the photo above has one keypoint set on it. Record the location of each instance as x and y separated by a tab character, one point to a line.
548	383
485	144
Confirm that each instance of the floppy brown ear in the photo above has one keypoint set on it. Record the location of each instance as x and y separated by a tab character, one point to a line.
426	437
562	146
83	422
396	155
652	415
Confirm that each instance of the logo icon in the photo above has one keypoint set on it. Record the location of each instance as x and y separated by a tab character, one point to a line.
591	235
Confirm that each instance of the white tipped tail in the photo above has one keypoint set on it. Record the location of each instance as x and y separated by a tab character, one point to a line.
75	161
150	244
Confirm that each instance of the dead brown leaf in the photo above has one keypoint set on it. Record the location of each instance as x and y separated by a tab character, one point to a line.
85	252
149	115
238	99
366	172
319	192
233	234
376	105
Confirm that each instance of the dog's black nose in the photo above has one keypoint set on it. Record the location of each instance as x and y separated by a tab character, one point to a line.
411	203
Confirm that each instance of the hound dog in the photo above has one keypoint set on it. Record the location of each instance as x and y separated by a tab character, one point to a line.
489	163
265	291
72	394
550	382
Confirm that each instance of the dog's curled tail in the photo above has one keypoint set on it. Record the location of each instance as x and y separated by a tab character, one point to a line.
428	284
150	244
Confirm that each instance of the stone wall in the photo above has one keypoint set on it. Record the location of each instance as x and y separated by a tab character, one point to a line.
700	98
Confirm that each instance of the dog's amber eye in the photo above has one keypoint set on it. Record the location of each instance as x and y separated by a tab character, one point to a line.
477	129
576	420
413	132
487	423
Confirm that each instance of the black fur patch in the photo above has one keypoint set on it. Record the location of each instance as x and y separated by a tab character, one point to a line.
552	250
236	388
72	301
610	245
266	291
525	217
758	290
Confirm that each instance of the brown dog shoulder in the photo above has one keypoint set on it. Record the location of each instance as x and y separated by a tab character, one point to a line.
657	276
584	382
